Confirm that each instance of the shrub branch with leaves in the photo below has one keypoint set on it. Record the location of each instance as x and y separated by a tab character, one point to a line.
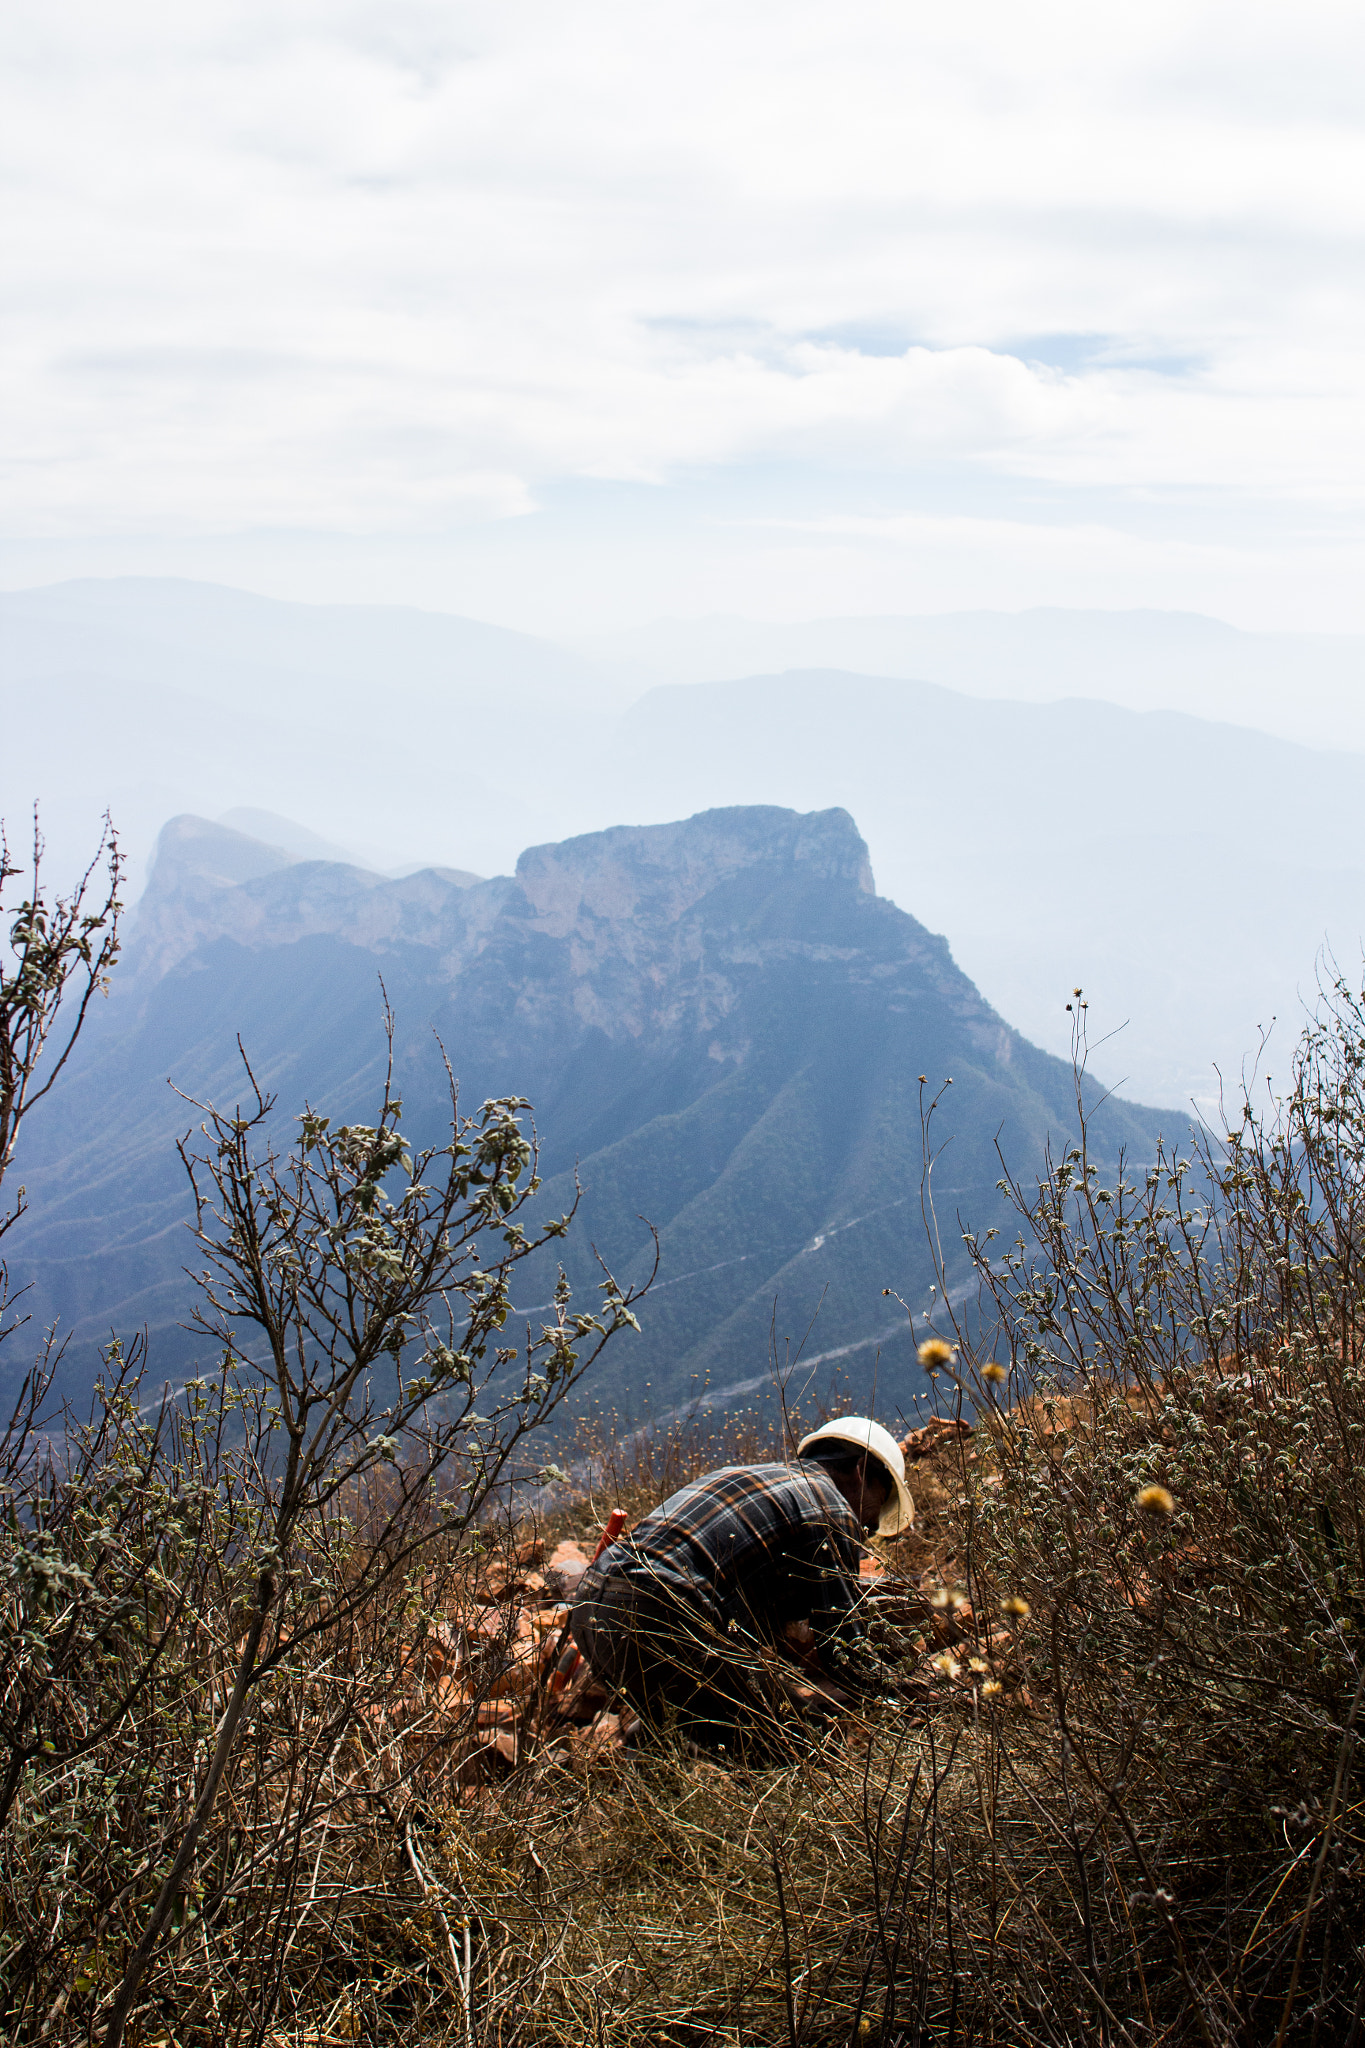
1173	1501
59	955
331	1265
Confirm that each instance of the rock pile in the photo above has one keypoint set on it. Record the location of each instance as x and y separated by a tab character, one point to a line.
494	1678
499	1677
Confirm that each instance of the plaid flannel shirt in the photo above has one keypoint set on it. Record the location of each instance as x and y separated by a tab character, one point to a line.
751	1548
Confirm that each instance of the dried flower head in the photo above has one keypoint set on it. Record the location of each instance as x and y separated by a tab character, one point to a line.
1155	1500
995	1373
992	1689
934	1354
939	1596
1017	1609
946	1666
977	1664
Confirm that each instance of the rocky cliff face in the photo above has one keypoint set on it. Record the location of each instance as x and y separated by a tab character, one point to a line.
638	910
209	882
634	897
721	1026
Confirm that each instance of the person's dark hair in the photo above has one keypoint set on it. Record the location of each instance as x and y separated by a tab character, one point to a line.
834	1455
843	1461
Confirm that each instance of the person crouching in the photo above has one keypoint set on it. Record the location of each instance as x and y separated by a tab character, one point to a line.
683	1615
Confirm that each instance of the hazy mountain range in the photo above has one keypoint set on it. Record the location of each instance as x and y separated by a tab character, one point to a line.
1304	687
719	1022
1185	871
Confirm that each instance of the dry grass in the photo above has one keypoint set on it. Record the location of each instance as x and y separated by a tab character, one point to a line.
1088	1855
1111	1794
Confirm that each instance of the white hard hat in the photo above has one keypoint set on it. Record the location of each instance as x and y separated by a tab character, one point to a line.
866	1435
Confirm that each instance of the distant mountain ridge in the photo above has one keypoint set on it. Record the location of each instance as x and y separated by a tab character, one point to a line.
1304	687
1186	871
721	1026
178	696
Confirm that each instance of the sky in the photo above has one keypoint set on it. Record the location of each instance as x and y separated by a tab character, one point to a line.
572	316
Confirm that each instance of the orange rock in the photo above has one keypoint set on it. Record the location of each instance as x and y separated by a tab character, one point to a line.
488	1759
549	1620
520	1676
504	1575
498	1714
938	1431
494	1623
799	1637
442	1653
603	1734
565	1567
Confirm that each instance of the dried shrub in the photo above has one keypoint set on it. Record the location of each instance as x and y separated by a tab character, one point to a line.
1176	1499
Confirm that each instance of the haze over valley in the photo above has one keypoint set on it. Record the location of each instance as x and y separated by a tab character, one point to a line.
1032	791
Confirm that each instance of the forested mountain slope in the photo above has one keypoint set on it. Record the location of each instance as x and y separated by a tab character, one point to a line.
718	1021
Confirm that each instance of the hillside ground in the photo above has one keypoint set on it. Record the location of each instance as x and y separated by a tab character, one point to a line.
1021	1841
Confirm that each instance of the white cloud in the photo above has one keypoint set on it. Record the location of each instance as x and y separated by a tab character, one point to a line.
359	268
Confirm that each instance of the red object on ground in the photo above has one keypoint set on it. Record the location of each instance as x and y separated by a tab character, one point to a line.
573	1656
616	1522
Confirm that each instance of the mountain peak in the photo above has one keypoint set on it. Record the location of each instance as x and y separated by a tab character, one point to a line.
672	867
204	880
218	855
